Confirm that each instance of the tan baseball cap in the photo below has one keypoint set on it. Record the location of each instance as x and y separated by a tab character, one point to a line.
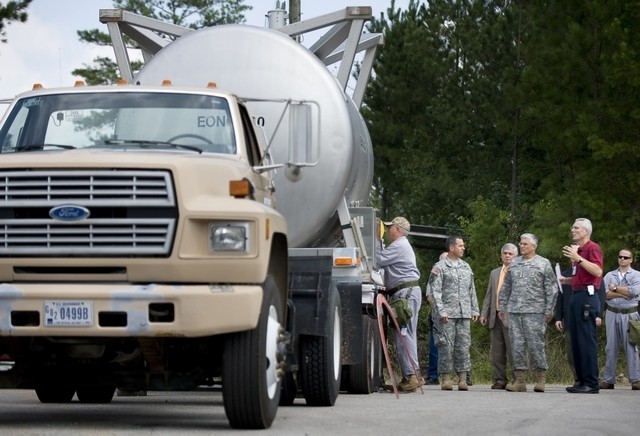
399	221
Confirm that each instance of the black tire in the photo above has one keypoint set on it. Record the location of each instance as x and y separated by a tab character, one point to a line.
320	361
55	393
289	390
364	378
251	367
95	394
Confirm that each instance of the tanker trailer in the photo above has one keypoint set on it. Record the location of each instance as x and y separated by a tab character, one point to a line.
332	284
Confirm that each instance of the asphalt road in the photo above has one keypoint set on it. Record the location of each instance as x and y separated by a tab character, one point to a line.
479	411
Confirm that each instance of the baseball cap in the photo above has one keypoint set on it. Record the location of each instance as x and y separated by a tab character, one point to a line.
400	222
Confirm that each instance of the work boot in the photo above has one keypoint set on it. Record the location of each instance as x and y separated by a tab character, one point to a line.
518	385
409	384
462	381
540	375
635	386
605	385
446	382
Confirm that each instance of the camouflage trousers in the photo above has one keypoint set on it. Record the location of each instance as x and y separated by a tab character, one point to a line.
527	333
453	340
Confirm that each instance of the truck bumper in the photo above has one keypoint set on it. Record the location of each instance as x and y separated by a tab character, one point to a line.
125	310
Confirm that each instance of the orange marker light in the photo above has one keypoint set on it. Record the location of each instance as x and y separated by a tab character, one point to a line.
239	188
345	261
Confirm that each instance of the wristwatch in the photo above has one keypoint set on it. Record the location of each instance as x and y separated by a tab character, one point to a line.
580	260
615	288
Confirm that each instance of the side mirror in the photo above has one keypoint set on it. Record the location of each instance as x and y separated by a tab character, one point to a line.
303	140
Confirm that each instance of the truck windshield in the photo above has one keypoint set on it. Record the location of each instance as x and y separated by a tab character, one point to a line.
124	120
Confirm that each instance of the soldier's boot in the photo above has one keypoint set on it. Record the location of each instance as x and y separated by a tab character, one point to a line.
462	381
446	382
540	379
518	385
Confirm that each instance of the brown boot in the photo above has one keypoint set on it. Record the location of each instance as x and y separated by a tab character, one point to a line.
540	374
446	382
518	385
462	381
408	384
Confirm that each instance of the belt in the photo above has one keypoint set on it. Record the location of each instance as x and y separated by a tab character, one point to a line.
402	286
626	310
581	289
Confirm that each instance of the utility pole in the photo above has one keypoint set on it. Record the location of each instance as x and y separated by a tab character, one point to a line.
294	11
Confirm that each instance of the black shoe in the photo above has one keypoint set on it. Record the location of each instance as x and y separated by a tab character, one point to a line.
469	381
432	381
582	390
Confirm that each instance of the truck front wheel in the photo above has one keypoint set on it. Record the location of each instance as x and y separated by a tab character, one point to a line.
95	394
321	360
251	372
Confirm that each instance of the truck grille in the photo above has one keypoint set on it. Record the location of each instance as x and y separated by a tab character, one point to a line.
132	213
100	188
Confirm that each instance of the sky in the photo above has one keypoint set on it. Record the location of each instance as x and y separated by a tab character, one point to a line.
45	49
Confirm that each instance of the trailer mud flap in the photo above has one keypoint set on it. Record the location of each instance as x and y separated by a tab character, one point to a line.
352	329
309	288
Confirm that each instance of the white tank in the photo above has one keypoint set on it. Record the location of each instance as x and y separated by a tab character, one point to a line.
254	62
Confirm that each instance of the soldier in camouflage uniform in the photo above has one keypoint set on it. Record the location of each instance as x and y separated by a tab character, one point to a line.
528	296
455	305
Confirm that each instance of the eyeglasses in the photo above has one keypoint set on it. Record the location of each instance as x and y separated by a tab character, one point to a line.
624	257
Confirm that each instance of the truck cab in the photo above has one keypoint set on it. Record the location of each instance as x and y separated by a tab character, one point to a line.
140	246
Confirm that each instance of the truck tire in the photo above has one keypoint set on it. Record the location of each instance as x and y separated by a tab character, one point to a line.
95	394
289	390
364	378
320	360
50	393
250	372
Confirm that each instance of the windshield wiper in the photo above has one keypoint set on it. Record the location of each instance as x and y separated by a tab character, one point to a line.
150	144
37	147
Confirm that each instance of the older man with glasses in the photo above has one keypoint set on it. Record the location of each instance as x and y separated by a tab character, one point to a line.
584	306
623	294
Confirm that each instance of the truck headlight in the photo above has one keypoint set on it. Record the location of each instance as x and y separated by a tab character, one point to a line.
228	236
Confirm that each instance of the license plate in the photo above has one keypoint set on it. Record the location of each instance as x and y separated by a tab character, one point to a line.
68	313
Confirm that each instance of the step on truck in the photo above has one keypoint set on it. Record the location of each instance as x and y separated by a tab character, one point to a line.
201	223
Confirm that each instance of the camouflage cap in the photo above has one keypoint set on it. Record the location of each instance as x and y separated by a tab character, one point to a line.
399	221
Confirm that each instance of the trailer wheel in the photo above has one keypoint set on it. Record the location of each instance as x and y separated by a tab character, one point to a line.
51	393
320	361
251	369
289	390
95	394
365	377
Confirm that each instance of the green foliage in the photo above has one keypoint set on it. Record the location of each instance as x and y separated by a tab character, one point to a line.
13	11
190	13
496	118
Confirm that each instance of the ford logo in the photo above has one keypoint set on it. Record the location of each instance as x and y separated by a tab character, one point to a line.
69	212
